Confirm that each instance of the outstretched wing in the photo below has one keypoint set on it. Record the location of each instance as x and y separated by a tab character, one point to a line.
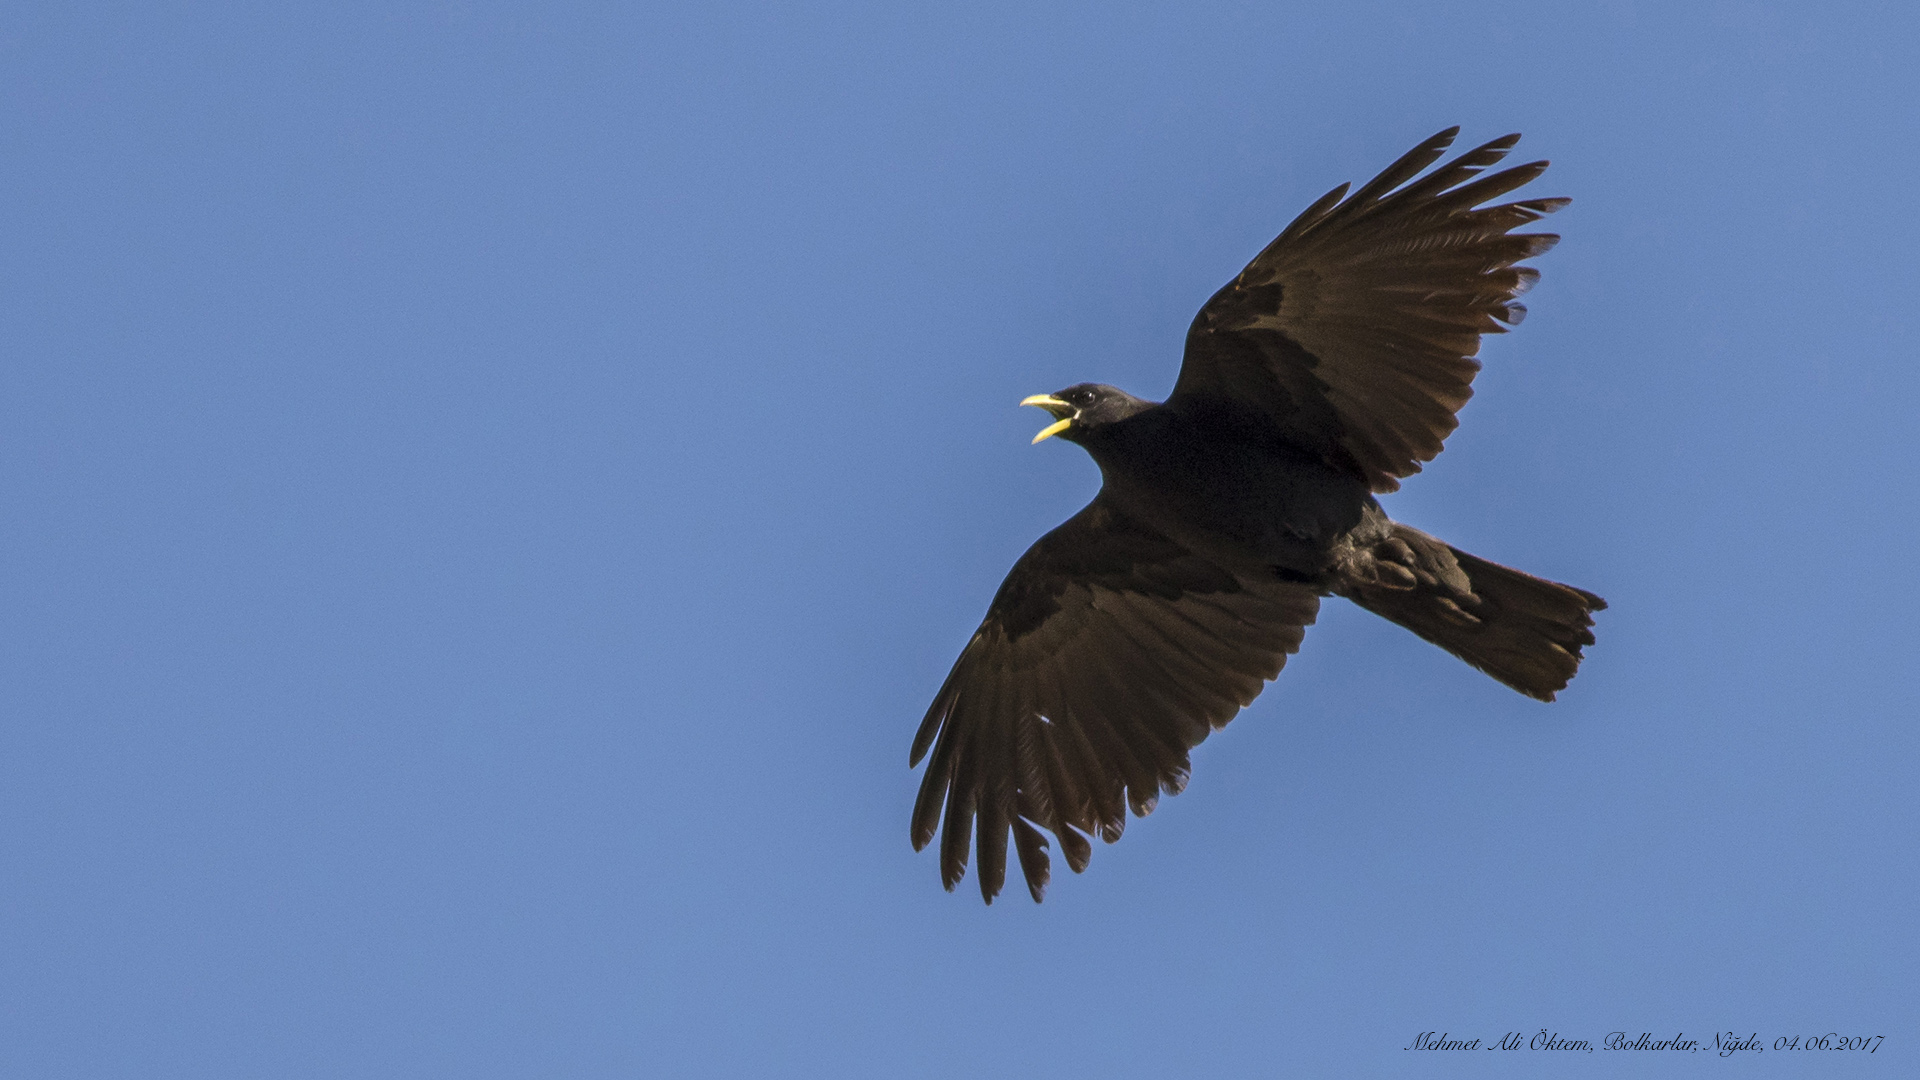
1108	653
1355	330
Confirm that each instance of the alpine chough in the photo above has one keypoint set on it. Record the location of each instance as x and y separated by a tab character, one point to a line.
1328	370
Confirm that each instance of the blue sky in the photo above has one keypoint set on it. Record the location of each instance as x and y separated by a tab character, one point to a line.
492	489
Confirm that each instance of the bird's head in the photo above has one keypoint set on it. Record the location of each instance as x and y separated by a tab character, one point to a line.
1081	409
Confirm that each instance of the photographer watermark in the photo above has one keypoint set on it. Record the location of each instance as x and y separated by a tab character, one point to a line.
1721	1044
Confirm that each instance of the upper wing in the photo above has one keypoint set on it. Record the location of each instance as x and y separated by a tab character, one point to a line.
1108	652
1355	330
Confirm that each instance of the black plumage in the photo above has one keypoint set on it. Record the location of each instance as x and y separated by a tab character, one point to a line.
1324	373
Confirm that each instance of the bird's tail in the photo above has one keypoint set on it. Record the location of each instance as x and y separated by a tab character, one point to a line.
1525	631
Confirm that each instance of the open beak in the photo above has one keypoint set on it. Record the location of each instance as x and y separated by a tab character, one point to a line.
1055	406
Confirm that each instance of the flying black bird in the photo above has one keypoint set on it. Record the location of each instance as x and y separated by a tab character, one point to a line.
1330	368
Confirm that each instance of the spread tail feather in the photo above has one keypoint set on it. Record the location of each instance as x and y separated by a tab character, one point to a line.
1525	631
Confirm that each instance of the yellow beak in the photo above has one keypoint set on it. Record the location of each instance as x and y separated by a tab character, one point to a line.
1055	406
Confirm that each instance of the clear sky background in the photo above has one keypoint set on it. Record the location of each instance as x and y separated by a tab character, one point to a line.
489	492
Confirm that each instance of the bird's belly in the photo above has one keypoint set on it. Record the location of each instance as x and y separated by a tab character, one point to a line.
1254	509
